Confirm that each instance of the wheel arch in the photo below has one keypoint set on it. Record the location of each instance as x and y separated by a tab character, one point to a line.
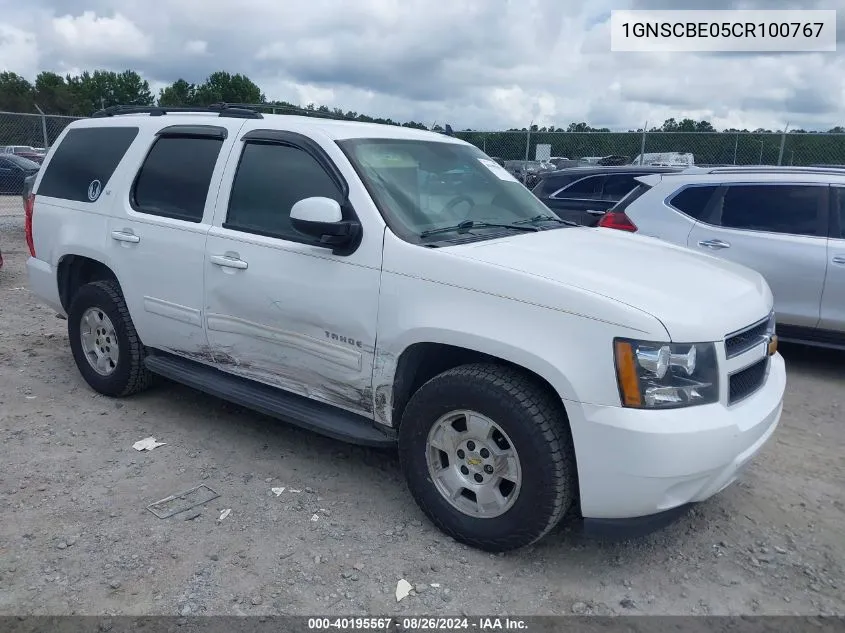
74	271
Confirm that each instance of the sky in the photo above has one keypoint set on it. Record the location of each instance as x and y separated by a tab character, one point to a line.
479	64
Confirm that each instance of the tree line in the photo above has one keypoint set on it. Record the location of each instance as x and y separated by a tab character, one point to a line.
83	94
89	91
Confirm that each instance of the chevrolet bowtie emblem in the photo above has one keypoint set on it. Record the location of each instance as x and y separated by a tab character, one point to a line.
773	345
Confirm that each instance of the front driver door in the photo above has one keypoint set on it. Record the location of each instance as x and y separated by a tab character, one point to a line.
280	309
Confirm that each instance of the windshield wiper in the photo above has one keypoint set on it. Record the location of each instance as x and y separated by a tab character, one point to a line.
547	218
466	225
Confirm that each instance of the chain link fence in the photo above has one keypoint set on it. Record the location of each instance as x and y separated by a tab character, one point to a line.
706	148
34	130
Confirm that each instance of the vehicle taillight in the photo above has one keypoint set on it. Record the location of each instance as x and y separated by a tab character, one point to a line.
29	208
617	220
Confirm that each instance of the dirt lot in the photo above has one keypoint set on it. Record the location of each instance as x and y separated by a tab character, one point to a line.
76	537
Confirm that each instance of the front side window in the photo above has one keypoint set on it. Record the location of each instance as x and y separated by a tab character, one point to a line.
424	186
589	188
270	179
617	186
791	209
173	181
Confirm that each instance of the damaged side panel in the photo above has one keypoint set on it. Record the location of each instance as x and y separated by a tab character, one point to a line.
294	319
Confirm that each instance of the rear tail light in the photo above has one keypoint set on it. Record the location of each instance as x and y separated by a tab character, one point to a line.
29	208
617	220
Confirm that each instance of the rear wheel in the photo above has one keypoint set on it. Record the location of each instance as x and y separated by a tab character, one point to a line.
104	343
488	456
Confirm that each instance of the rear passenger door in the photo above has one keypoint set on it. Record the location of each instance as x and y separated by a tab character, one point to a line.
779	230
157	234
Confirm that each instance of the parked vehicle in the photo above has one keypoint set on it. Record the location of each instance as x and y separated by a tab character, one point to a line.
788	223
13	171
527	171
303	267
665	159
583	194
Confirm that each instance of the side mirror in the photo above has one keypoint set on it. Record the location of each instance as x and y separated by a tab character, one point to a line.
322	218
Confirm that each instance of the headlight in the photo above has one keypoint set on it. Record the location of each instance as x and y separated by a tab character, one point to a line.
666	375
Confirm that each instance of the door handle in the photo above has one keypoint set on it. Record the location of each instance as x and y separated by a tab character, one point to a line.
125	236
714	244
839	259
228	262
595	212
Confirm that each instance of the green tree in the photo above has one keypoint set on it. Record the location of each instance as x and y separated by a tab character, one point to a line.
104	88
55	96
179	93
16	93
222	86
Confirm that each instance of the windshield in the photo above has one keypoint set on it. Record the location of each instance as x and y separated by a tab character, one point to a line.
23	163
423	186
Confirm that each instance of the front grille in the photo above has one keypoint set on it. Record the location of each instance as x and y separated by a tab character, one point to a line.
744	340
746	381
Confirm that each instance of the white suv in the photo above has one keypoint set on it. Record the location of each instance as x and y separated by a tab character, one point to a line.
386	286
787	223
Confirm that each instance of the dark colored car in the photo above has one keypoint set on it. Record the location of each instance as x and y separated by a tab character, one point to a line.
528	172
14	170
584	194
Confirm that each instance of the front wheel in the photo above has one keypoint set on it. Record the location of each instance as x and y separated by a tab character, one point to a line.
488	456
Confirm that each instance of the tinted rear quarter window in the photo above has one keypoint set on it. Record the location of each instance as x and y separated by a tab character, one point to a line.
617	186
174	179
693	200
549	184
589	187
83	156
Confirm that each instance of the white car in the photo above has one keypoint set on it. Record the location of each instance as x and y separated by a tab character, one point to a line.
307	268
788	223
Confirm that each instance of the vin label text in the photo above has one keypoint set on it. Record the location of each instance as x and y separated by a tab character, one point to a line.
741	30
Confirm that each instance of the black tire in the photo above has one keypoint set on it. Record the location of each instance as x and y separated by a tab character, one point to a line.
536	424
130	375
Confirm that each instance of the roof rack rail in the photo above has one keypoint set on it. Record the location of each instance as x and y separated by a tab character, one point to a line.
223	110
774	169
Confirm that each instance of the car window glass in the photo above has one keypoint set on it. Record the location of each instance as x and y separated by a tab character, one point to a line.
840	206
617	186
83	156
789	209
549	184
693	200
589	187
270	179
174	179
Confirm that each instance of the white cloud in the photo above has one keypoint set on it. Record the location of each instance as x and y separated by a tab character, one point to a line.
18	50
196	47
482	64
93	37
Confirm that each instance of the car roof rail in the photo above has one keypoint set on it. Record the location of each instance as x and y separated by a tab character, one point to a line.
222	110
771	169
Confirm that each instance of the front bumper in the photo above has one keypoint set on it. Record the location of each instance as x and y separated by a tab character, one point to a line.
637	463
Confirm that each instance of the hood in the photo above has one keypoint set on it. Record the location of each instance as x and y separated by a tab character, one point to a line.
697	297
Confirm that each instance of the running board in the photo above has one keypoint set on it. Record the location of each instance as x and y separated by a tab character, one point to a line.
298	410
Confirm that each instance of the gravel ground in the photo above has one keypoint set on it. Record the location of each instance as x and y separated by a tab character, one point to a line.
76	537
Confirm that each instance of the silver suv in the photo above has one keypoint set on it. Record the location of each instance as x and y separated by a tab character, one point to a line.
787	223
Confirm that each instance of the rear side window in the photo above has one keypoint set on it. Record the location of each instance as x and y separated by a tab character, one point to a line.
617	186
792	209
174	179
624	203
693	201
839	209
84	162
589	187
549	184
